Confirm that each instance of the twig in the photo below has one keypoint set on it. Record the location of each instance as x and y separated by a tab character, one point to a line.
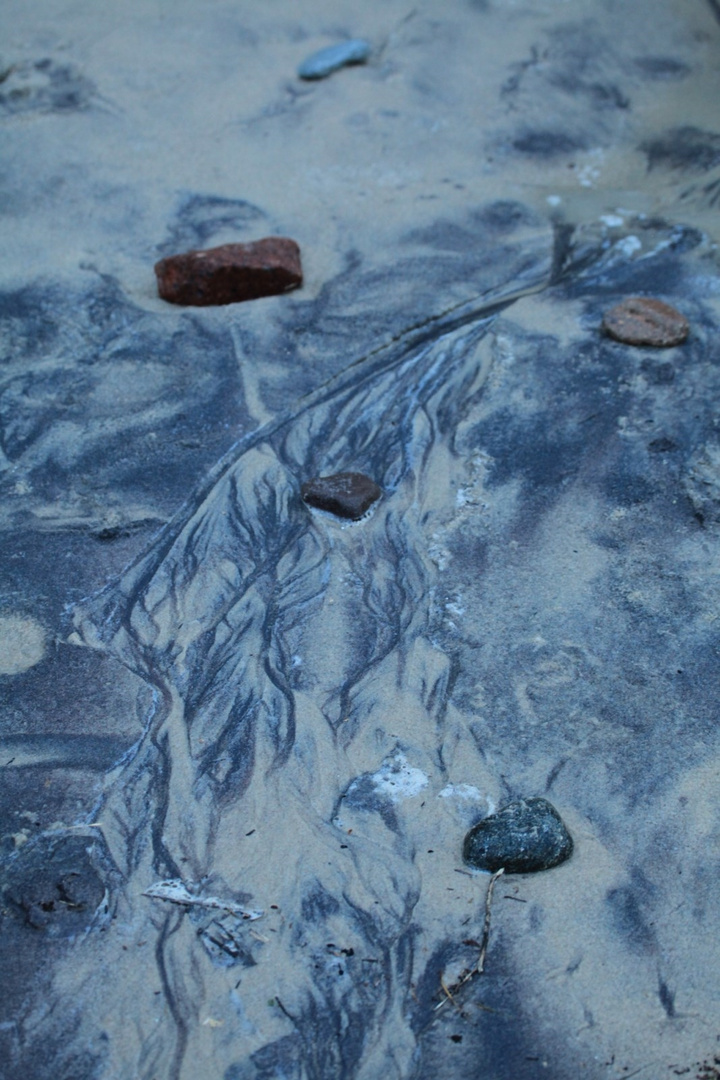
641	1069
486	928
282	1008
175	892
448	994
480	966
386	41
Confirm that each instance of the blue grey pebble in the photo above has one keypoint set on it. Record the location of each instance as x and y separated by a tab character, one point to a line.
324	62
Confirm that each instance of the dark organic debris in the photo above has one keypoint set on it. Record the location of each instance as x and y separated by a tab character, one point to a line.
349	495
43	86
640	320
230	273
523	837
708	1070
547	144
56	883
322	63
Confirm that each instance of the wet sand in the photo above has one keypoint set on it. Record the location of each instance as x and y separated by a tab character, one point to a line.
293	717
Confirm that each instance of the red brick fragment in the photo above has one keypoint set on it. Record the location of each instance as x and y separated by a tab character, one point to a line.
347	494
230	273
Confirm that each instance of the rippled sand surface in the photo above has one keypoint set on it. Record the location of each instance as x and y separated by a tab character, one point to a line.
242	740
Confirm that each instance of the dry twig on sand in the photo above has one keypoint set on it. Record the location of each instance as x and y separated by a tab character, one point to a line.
176	892
480	965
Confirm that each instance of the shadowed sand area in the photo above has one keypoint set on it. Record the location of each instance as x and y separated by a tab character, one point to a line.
242	739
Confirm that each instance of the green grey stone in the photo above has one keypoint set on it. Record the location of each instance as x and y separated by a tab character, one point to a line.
523	837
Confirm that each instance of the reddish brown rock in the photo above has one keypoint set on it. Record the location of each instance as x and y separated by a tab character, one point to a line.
348	495
230	273
640	320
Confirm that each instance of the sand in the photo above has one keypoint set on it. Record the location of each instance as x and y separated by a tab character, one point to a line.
209	684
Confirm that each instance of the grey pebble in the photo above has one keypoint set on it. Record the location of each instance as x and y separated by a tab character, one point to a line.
321	64
523	837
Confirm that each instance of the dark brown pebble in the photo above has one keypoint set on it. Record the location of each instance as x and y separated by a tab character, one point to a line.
348	494
640	320
230	273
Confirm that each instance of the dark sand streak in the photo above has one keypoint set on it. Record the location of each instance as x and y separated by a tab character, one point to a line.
265	530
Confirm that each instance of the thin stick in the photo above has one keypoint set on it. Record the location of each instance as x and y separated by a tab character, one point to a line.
448	994
174	891
480	966
486	927
291	1018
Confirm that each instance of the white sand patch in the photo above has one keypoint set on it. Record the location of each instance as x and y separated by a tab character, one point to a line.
466	793
22	644
398	780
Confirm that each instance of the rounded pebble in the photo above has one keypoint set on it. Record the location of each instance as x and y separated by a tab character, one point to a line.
322	63
523	837
640	320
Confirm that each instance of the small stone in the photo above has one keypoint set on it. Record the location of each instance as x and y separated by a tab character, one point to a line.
349	494
230	273
523	837
640	320
321	64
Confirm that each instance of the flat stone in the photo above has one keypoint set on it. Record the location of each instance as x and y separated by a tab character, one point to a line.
322	63
231	273
349	494
523	837
640	320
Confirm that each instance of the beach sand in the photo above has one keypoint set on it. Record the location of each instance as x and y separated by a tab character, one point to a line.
293	718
